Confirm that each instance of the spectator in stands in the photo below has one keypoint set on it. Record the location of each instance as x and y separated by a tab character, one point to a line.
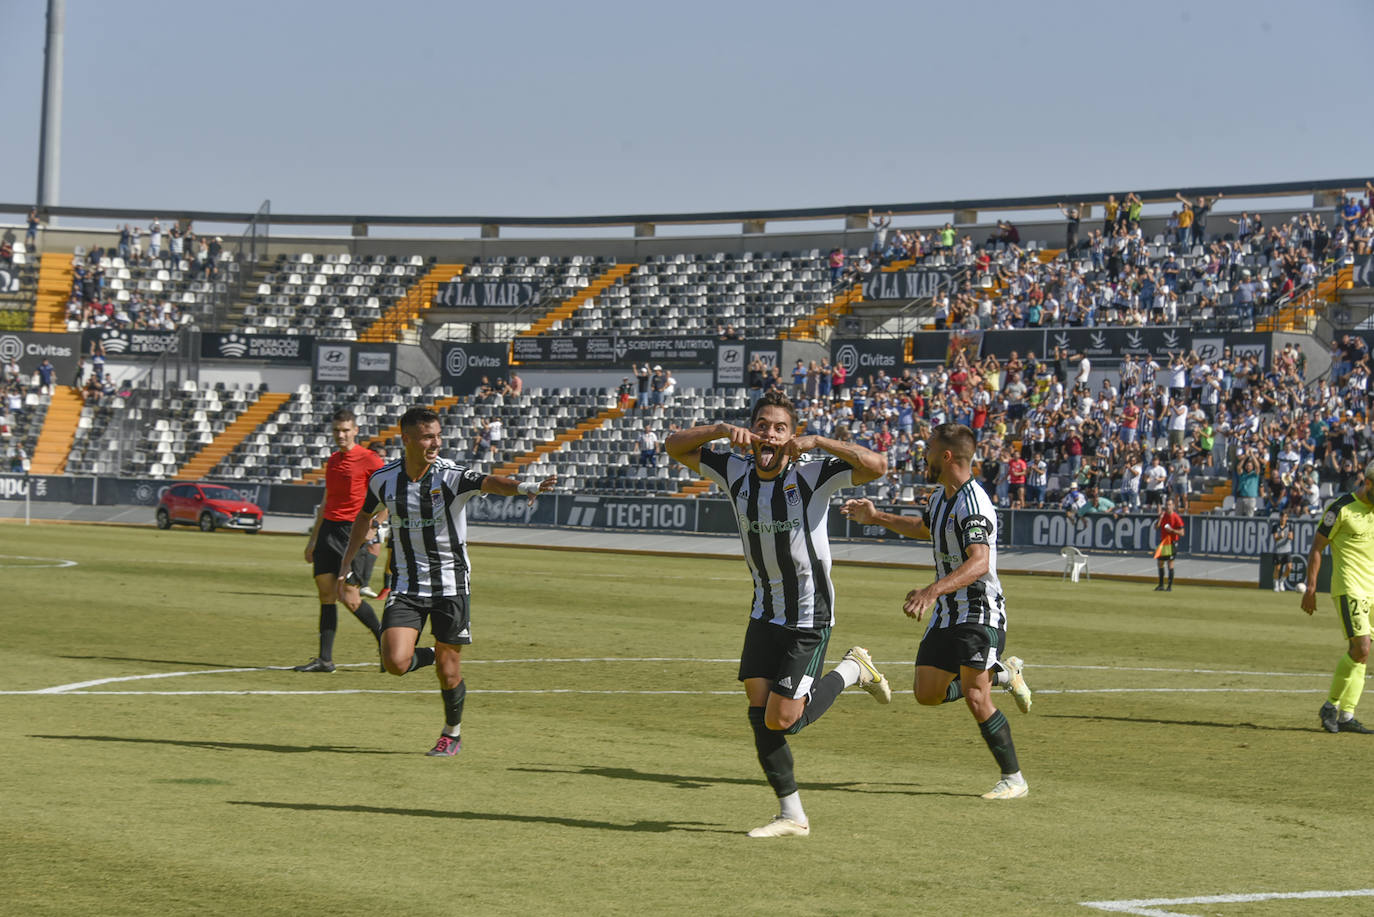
657	384
836	262
648	447
155	239
880	225
516	384
1071	230
46	372
625	392
31	235
642	376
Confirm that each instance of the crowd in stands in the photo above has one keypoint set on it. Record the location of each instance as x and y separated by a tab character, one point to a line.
174	255
1051	433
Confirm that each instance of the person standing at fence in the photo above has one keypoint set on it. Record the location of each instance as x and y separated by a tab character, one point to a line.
1348	527
426	498
1170	526
782	505
345	483
1281	533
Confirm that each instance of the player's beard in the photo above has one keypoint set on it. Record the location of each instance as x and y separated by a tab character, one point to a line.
932	473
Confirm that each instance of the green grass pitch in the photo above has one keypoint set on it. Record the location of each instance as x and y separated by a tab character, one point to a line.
608	768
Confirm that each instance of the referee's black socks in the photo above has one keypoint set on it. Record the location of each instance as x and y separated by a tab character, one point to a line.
997	733
774	756
329	623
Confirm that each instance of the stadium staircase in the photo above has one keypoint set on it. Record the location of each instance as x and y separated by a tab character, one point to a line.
569	306
54	289
199	465
1211	500
384	436
570	435
59	431
1299	314
401	317
807	328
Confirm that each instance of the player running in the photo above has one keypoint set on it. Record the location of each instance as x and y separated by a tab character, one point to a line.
961	652
781	504
426	497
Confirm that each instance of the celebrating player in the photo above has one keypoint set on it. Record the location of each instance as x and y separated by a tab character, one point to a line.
426	497
782	504
1348	526
345	481
961	652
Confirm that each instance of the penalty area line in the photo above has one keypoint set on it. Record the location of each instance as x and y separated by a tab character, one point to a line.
1150	907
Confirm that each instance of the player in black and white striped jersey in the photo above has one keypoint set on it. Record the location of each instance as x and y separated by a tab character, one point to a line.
961	652
781	504
426	497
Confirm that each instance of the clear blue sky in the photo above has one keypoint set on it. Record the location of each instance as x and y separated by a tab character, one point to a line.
536	108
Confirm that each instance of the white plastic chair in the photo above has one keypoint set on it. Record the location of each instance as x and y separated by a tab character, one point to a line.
1075	562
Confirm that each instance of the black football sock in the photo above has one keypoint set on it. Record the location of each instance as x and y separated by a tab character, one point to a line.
453	705
954	692
369	619
424	655
1171	577
1161	575
329	623
997	733
818	701
774	756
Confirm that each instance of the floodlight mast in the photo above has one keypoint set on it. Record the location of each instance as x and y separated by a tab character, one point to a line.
50	130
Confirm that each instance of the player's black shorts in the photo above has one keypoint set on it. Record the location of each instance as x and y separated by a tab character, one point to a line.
976	646
791	657
330	545
448	616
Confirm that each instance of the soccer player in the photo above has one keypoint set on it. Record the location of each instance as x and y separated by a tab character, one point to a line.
782	505
345	482
426	497
1170	525
961	652
1348	526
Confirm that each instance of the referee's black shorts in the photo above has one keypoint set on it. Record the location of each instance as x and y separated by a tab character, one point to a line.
330	545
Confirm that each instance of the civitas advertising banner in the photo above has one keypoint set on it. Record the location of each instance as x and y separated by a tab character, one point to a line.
30	348
466	364
864	356
263	348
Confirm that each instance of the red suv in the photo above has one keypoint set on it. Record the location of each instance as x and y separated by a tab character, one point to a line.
209	506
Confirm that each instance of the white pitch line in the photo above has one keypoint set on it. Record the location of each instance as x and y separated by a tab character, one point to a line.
1149	907
81	686
53	562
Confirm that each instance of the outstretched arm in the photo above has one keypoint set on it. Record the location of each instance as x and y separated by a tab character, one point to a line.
685	445
919	601
867	464
865	513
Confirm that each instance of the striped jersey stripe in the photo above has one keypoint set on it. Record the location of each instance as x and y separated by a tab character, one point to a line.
428	525
955	522
783	528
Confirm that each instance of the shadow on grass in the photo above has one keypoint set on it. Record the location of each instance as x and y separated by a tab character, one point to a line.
684	782
212	665
230	746
1153	721
652	827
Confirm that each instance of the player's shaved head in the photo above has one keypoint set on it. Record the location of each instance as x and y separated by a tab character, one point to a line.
957	438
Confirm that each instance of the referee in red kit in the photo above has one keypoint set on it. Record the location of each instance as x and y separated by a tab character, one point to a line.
345	485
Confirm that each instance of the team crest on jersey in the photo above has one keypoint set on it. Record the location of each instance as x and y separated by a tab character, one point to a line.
793	495
437	495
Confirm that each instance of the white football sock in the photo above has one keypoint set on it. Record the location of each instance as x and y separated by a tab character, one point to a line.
792	807
453	730
849	670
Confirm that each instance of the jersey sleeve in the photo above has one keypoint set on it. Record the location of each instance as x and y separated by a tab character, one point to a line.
1331	520
971	526
461	480
714	465
372	498
834	474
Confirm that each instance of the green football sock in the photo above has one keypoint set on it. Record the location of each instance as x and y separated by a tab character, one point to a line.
1348	683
